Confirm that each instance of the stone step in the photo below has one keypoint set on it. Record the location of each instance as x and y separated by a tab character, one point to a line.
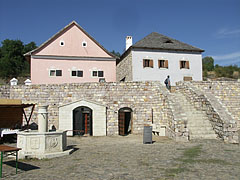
202	132
207	136
199	122
199	128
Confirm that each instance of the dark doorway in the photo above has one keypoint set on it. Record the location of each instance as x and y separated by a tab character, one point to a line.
82	121
124	121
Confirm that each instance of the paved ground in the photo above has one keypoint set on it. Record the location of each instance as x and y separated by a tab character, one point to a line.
128	158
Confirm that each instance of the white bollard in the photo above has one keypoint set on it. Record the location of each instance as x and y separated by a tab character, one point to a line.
42	119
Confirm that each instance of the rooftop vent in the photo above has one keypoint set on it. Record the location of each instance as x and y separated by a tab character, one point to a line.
168	41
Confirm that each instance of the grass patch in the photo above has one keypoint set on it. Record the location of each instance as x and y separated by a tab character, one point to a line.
213	161
192	152
229	150
186	161
174	171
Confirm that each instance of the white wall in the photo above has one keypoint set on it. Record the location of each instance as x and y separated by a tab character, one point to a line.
176	74
98	117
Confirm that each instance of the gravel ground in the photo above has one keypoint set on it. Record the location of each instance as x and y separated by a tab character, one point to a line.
116	157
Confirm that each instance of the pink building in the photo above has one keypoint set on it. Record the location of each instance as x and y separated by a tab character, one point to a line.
71	56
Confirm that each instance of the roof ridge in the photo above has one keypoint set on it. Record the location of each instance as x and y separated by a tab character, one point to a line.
155	40
43	45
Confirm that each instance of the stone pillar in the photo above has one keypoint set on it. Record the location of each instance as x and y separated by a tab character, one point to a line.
42	118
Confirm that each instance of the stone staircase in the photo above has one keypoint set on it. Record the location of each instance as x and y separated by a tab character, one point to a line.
196	121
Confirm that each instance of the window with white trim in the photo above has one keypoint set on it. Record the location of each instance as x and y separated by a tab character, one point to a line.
54	72
84	44
62	43
97	73
77	73
147	63
184	64
162	63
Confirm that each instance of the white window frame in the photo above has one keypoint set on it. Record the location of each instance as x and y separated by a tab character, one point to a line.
76	73
60	43
84	42
97	76
55	72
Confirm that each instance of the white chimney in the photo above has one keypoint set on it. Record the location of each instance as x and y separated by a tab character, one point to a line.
128	42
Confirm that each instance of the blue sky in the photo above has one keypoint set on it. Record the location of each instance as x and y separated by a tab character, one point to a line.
212	25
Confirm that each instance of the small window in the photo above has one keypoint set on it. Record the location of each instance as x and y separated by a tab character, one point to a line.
62	43
77	73
58	72
74	73
148	63
97	73
162	63
55	73
184	64
84	44
100	73
94	73
52	72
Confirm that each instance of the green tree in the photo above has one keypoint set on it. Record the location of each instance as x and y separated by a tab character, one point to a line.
12	61
208	63
116	53
29	47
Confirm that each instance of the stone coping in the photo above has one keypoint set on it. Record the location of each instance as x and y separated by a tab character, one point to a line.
35	132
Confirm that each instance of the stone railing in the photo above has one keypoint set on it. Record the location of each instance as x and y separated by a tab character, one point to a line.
176	128
222	122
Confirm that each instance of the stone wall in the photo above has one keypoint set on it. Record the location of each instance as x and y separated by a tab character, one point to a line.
124	68
227	93
203	98
146	99
5	92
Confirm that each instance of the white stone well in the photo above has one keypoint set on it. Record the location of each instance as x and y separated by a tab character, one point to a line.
42	144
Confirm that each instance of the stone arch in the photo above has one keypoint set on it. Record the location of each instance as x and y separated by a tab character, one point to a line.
125	117
98	117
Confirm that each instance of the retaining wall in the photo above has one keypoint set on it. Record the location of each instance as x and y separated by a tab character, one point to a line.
146	99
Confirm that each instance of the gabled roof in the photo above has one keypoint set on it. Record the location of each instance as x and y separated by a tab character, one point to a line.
46	43
159	41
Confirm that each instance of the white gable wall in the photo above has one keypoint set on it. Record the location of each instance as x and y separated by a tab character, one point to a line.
176	74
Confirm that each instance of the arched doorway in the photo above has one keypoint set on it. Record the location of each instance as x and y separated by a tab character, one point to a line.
124	121
82	121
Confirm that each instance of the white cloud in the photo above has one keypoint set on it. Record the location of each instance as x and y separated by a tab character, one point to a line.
227	59
227	56
226	32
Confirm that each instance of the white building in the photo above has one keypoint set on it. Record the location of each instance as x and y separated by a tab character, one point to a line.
156	56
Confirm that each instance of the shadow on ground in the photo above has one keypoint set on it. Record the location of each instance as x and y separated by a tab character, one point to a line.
21	165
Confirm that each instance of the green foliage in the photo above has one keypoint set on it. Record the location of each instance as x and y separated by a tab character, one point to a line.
12	61
116	53
208	63
226	71
211	71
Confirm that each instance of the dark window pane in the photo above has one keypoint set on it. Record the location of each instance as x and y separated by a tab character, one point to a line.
79	73
58	72
52	72
100	73
94	73
74	73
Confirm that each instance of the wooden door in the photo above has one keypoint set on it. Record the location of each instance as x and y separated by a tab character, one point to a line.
121	123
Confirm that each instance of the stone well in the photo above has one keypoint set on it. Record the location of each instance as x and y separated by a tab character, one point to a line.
42	144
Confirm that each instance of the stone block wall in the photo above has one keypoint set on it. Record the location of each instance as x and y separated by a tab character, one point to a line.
223	123
124	68
227	93
146	99
5	92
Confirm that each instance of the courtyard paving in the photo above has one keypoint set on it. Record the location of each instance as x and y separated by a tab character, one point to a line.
117	157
